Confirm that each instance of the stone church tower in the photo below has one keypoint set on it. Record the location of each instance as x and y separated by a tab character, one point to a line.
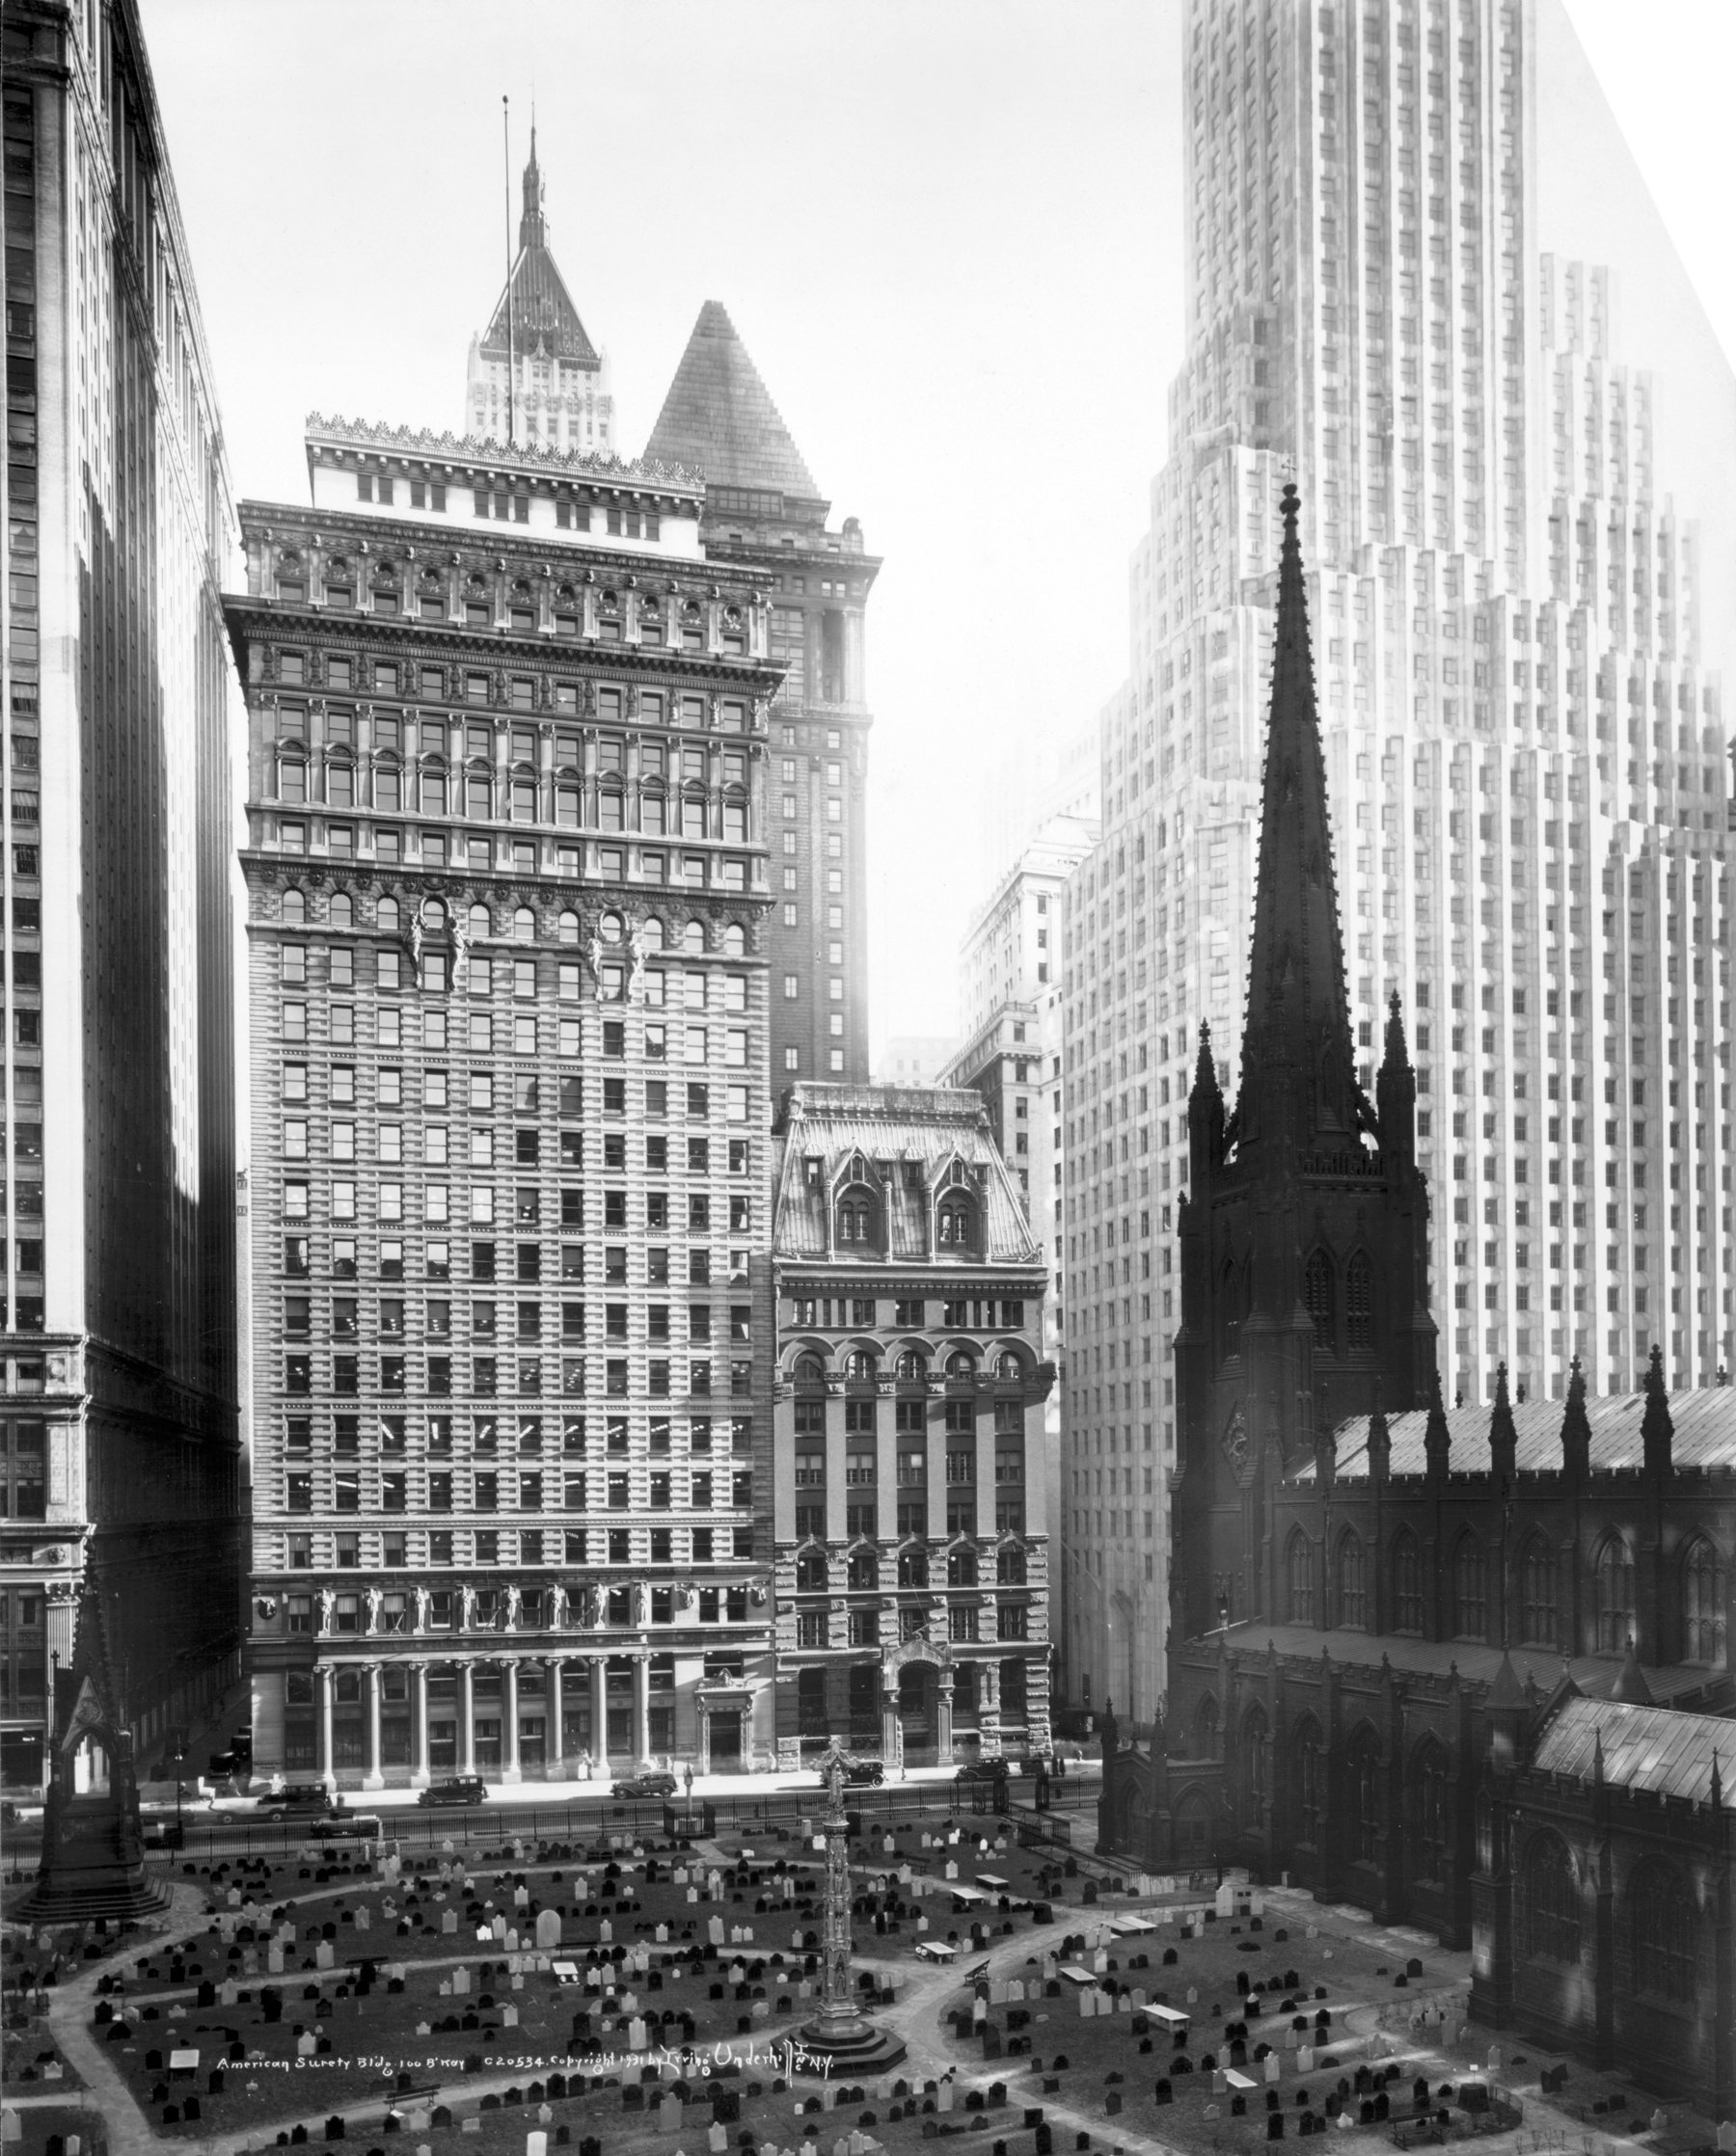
1304	1231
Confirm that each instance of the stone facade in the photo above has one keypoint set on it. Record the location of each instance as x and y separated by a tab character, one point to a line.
506	865
908	1501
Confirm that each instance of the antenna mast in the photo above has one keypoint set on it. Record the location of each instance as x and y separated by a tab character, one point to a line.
511	360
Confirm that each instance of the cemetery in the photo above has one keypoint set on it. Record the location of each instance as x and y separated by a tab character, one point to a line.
651	1996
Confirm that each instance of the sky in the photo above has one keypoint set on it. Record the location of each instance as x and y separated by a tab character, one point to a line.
948	232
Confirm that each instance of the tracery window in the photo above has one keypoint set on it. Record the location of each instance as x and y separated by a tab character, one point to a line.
1613	1592
1538	1620
1358	1305
1665	1925
1299	1566
1702	1604
1353	1597
1407	1584
1551	1917
1470	1590
1317	1297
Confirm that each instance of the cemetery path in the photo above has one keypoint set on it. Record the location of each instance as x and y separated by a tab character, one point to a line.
918	2018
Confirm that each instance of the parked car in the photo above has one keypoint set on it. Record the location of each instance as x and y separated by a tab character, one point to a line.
456	1789
982	1770
340	1825
298	1800
656	1784
859	1773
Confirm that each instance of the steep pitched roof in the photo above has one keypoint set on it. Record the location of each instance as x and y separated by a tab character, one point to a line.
1644	1748
543	314
1705	1435
1297	1040
1593	1675
719	417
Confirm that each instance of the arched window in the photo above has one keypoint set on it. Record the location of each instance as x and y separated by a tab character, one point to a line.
1364	1795
912	1569
1358	1305
567	927
1429	1786
480	922
342	912
1255	1760
1612	1579
864	1570
1307	1781
1352	1585
912	1367
1538	1620
693	939
855	1219
1470	1590
385	915
1316	1298
861	1367
1229	1306
1552	1916
809	1370
1008	1368
956	1223
810	1572
1299	1568
608	926
1665	1927
524	926
1702	1604
434	914
1206	1728
962	1364
651	933
960	1568
295	906
735	941
1407	1584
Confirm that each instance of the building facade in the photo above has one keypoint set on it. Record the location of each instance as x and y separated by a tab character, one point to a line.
908	1503
763	513
507	879
120	1449
534	375
1374	1597
1524	742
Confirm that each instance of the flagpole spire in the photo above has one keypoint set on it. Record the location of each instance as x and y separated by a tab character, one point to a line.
511	360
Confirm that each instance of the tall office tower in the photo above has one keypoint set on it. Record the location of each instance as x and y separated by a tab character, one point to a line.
536	346
1524	750
909	1511
120	1452
1011	1005
1053	773
763	513
505	866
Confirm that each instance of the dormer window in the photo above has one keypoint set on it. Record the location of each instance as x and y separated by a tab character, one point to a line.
955	1225
856	1219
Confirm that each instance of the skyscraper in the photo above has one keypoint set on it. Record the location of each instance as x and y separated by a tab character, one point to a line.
763	511
506	865
1524	751
535	376
119	1453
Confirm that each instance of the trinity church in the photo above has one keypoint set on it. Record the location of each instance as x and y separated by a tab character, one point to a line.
1466	1667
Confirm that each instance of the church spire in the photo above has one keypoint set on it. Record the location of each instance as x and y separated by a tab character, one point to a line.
1297	1060
532	229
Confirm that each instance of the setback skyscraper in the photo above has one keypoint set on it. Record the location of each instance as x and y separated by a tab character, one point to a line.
1524	751
119	1450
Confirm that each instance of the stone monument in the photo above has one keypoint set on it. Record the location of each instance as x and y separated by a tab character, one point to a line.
92	1861
841	2039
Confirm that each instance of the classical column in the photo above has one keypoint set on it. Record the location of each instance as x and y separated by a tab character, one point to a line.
989	1729
374	1778
944	1695
509	1725
467	1731
891	1729
419	1741
554	1736
599	1690
324	1678
702	1765
641	1711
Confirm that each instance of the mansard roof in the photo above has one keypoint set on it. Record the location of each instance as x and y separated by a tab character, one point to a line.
931	1126
719	417
1644	1748
1704	1421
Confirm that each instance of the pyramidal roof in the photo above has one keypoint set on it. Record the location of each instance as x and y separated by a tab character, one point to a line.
1298	1025
719	417
543	313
